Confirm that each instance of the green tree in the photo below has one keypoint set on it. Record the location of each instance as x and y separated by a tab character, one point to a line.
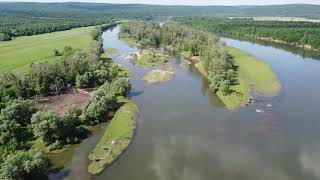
14	120
24	165
48	126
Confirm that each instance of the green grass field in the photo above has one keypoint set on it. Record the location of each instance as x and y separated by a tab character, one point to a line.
116	139
251	71
18	54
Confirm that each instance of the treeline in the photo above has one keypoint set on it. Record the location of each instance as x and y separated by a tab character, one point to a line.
294	33
218	64
22	125
13	26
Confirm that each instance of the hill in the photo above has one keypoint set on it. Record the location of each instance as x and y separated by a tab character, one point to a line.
296	10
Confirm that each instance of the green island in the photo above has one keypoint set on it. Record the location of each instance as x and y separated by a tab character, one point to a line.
147	58
231	72
116	138
252	74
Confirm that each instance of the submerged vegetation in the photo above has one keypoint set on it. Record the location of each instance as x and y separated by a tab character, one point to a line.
117	137
303	34
155	76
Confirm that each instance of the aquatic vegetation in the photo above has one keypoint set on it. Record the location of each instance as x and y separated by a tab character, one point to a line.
156	76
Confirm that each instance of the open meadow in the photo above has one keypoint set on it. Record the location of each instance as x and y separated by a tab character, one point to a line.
18	54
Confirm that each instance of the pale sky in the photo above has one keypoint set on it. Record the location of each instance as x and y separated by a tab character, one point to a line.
187	2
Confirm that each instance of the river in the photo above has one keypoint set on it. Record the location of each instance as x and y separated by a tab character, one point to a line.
185	133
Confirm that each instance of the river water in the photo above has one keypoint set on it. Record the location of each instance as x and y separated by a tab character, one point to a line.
185	133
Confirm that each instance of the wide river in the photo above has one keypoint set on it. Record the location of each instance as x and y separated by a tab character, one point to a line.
186	133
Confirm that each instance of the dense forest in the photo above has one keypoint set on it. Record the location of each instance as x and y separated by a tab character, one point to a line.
216	61
294	10
294	33
24	19
22	124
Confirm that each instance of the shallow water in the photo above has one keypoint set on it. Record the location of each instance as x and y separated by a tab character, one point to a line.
186	133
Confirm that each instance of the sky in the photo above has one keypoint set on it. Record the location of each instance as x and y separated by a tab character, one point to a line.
187	2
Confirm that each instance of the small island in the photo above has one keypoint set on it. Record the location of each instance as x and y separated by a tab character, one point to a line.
148	58
117	137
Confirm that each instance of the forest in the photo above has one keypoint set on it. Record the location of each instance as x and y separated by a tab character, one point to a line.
217	63
25	19
14	25
22	124
72	8
293	33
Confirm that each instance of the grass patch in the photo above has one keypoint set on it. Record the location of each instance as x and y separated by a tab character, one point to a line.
116	139
256	72
250	71
156	76
18	54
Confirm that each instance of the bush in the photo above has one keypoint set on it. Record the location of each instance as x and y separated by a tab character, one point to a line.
5	37
48	126
56	52
99	107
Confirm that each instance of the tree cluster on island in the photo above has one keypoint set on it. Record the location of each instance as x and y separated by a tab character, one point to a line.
217	63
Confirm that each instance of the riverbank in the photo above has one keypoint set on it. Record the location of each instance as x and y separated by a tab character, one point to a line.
270	39
116	139
252	74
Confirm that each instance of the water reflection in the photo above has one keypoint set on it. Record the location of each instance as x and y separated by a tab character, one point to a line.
225	159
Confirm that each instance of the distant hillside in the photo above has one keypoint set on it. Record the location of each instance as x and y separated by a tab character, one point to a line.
297	10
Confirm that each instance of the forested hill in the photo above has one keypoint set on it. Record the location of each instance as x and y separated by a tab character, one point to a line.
301	10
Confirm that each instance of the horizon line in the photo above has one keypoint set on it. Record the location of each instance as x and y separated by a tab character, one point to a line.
156	4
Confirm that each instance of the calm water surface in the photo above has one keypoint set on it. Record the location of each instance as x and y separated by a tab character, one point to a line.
186	133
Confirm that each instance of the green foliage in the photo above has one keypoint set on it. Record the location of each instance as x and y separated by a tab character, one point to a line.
5	37
104	100
213	55
146	33
55	130
14	119
47	125
13	86
96	33
24	165
67	50
20	124
291	32
56	52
